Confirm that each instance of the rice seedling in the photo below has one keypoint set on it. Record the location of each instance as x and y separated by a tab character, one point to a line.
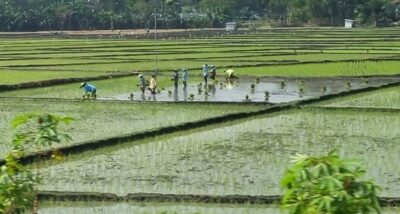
242	157
247	99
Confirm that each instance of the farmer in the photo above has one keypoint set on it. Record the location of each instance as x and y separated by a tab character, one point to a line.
205	74
90	90
175	78
153	84
230	74
213	72
142	82
185	77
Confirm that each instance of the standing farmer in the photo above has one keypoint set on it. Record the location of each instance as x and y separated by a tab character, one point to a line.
90	90
153	84
205	74
175	78
142	82
185	77
213	72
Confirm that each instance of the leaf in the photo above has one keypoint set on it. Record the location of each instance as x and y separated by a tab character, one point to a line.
22	119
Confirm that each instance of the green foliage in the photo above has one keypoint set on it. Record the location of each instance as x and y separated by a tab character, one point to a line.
18	15
328	184
16	182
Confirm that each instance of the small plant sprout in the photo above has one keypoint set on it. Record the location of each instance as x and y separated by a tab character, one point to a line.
215	82
266	94
366	82
199	90
191	97
258	80
324	89
247	99
252	86
206	94
131	95
283	84
348	84
169	92
158	91
301	90
163	89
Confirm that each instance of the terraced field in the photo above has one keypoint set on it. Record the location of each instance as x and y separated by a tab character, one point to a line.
310	91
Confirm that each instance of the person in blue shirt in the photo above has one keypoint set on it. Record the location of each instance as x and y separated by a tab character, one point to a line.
185	77
90	90
205	74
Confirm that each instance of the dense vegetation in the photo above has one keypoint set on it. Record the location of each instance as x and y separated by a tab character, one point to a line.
27	15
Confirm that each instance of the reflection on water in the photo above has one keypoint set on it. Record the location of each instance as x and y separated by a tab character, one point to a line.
271	90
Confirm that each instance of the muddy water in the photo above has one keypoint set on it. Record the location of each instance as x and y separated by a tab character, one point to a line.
280	90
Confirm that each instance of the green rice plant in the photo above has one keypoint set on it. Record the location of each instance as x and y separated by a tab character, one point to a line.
246	157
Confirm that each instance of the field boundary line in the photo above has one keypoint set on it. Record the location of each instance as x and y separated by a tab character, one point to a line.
116	140
155	197
62	81
351	108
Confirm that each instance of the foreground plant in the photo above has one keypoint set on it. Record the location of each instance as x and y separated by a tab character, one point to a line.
17	183
328	185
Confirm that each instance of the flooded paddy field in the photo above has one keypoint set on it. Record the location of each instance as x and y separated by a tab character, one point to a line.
246	158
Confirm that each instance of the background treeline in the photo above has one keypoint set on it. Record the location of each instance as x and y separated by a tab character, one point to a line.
29	15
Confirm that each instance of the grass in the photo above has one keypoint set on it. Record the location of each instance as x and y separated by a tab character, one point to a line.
236	158
109	55
102	120
9	77
326	69
386	98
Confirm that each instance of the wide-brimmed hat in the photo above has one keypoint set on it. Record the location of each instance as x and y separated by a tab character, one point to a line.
83	84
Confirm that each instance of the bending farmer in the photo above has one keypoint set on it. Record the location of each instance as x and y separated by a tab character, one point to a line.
90	90
230	74
153	84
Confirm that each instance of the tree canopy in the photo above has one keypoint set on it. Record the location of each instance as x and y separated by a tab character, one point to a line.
29	15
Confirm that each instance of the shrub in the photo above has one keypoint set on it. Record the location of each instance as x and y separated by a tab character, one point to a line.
328	184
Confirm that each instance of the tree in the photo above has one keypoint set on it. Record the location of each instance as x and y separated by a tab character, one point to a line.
328	185
17	183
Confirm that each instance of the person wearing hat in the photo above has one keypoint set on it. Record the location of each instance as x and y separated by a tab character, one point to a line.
153	84
230	75
213	72
175	78
142	82
89	89
205	74
185	77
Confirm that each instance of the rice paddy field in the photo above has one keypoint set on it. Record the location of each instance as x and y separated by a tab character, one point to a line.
300	90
